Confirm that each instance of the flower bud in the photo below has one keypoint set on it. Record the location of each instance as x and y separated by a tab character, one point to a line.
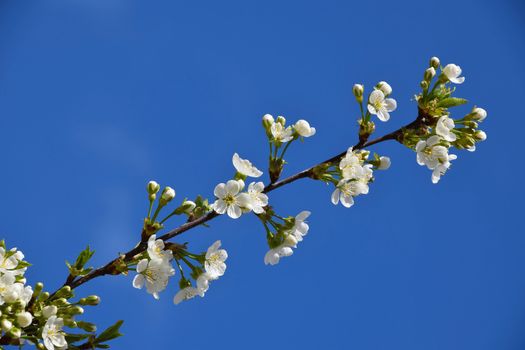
384	87
479	114
41	346
434	62
384	163
153	187
61	302
92	300
281	120
168	194
480	135
424	84
44	296
24	319
188	206
429	74
49	311
267	121
38	288
6	325
303	128
75	310
358	90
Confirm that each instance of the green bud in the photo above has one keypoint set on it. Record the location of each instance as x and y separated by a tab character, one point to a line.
41	346
434	62
38	289
92	300
424	84
267	121
61	302
15	333
69	322
75	310
44	296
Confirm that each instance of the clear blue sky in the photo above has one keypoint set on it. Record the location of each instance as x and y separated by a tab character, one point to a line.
99	96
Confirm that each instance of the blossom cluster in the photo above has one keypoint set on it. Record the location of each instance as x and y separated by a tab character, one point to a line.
432	143
355	173
31	316
154	268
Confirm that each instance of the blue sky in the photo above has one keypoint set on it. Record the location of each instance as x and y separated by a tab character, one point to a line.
99	96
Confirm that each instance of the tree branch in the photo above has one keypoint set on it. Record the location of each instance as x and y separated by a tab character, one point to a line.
109	268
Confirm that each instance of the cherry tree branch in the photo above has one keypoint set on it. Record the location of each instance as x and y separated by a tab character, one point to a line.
110	267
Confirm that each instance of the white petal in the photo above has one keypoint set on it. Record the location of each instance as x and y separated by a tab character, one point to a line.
234	211
220	190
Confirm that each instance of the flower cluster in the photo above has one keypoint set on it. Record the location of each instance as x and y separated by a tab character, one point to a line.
155	269
231	199
279	134
288	233
35	317
439	132
14	294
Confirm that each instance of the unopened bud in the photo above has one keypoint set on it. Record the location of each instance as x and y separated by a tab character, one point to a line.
24	319
38	288
358	90
281	120
49	311
168	194
480	135
76	310
434	62
92	300
61	302
41	346
479	114
267	121
153	187
424	84
290	241
384	163
429	74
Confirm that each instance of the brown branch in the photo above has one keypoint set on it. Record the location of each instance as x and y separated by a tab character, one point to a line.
109	268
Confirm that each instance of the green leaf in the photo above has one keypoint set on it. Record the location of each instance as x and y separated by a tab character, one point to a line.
452	102
111	332
73	338
83	258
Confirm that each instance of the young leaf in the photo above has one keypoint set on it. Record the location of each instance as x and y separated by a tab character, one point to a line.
111	332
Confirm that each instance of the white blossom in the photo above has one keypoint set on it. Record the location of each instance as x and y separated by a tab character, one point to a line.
53	335
203	282
453	72
186	294
351	165
381	106
273	256
444	128
154	274
215	260
358	90
300	227
303	128
17	292
6	282
346	190
280	133
434	156
245	167
258	200
9	260
230	200
156	249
